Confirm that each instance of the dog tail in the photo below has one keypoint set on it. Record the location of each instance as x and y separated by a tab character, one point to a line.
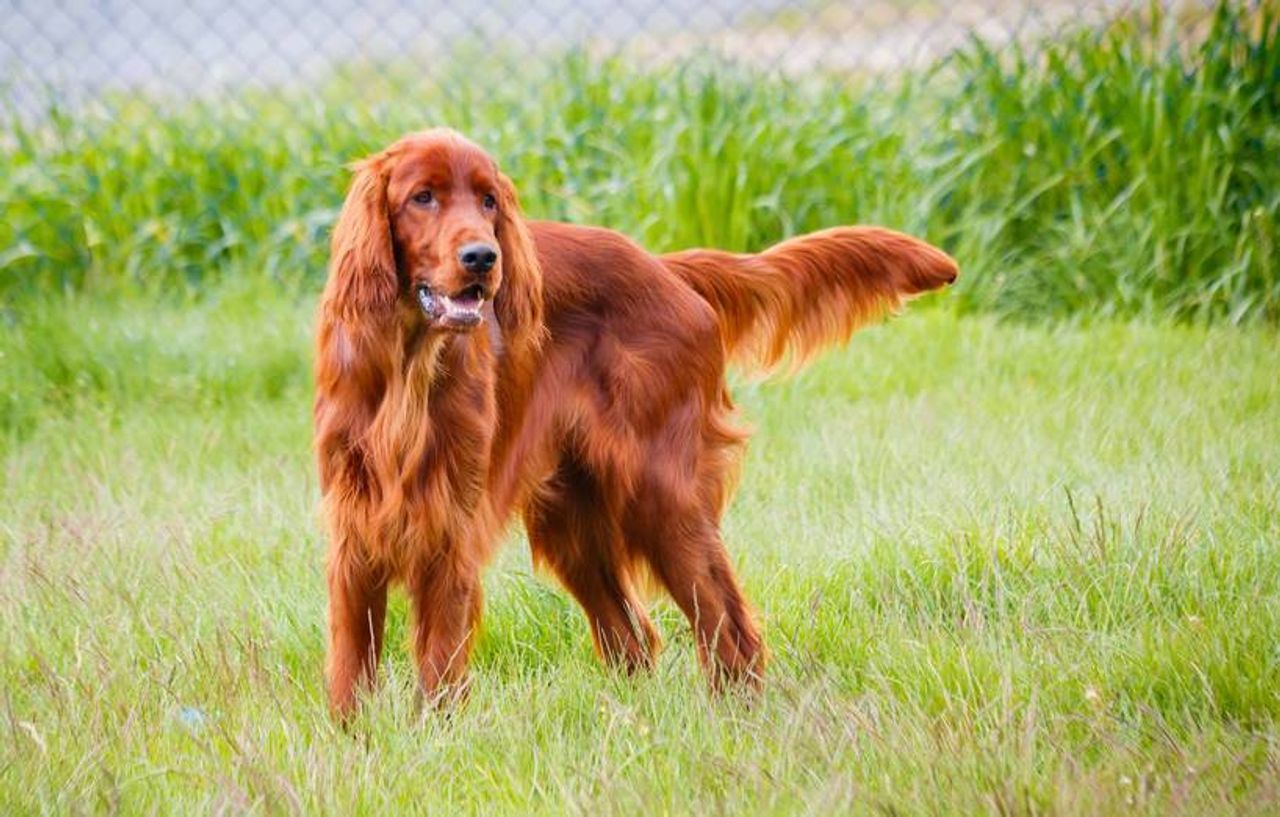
797	297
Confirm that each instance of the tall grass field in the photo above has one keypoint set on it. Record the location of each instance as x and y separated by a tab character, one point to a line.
1016	551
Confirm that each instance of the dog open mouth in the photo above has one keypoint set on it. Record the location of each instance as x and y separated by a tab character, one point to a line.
460	310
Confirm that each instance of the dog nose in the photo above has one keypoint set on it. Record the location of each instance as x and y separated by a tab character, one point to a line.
477	257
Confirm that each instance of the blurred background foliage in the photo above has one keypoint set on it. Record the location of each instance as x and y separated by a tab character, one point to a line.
1117	167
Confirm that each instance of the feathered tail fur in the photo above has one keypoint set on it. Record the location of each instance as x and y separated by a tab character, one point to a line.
799	296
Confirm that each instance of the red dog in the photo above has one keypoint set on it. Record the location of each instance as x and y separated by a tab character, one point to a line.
470	364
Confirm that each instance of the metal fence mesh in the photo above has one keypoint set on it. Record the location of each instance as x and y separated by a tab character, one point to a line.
67	51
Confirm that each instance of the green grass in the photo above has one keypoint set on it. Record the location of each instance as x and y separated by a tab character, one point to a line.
1000	568
1109	172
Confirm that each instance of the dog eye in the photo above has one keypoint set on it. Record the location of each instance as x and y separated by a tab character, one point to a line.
490	202
423	197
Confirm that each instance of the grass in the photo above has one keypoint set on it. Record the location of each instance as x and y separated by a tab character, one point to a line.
1001	568
1113	172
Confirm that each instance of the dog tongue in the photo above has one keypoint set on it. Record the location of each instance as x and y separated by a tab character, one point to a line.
466	302
463	310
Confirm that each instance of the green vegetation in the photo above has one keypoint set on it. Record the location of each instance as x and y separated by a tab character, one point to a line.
1003	566
999	567
1108	173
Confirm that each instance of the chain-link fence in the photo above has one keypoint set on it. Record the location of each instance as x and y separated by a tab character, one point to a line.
72	50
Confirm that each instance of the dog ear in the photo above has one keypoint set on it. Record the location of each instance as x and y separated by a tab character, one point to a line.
518	303
362	267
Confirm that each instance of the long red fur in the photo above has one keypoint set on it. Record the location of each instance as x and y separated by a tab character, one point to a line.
592	403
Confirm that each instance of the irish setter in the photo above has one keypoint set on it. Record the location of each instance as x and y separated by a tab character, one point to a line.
471	365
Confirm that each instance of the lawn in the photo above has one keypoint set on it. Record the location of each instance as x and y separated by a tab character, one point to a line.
1015	551
1000	568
